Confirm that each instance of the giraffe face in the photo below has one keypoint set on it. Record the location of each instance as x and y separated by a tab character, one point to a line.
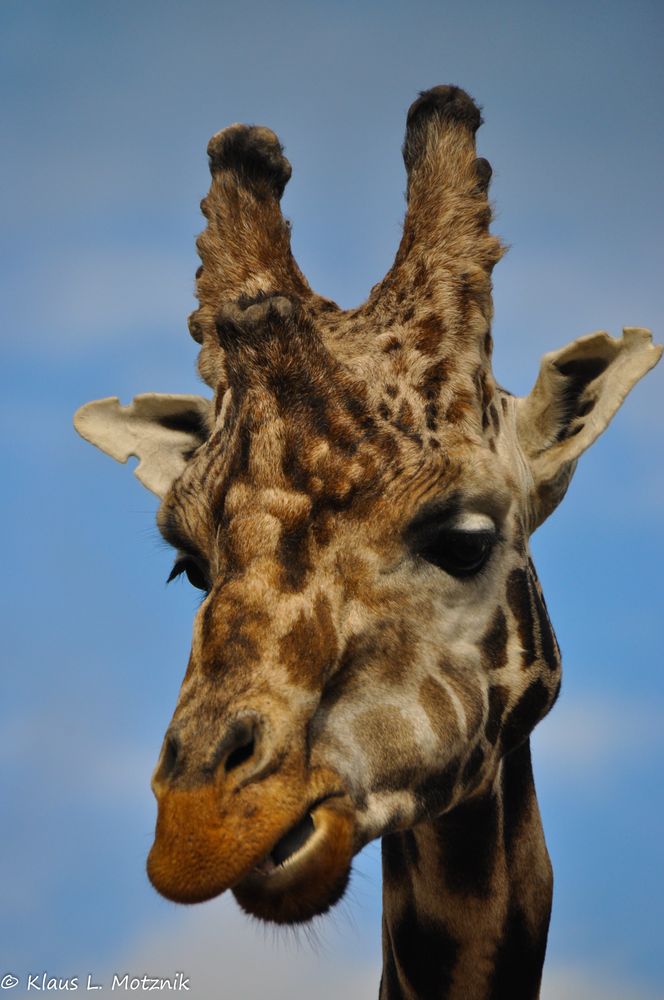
356	504
372	638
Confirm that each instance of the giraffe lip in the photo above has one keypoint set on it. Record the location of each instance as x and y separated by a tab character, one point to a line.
298	840
307	870
288	847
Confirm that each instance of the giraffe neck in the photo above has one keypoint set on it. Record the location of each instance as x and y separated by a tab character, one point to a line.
467	898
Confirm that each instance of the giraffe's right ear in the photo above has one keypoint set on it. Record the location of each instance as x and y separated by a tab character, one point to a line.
577	392
161	429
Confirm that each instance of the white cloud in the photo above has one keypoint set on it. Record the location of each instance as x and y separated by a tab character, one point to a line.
56	765
227	955
578	983
80	298
583	739
73	759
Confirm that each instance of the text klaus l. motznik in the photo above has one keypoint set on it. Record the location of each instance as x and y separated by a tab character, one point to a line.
120	982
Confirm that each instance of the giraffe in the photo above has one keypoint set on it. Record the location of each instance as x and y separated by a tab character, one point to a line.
372	650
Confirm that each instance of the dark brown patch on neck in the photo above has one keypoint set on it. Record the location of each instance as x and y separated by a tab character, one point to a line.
467	838
425	954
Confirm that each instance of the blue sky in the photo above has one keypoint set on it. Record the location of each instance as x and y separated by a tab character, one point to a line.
107	110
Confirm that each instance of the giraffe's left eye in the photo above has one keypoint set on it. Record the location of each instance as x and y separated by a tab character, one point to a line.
193	572
459	553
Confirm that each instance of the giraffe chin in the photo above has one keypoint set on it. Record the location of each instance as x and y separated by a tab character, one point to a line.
313	874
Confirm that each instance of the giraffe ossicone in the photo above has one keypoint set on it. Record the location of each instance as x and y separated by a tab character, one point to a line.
373	649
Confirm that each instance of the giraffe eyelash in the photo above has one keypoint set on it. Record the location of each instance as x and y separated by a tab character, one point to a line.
187	566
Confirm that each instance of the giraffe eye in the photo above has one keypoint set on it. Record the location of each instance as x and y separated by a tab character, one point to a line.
190	568
459	553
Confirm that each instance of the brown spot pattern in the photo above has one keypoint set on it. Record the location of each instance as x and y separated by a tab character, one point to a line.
435	701
519	600
309	649
494	642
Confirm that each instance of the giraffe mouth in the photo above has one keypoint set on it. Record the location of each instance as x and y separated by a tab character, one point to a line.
307	870
286	850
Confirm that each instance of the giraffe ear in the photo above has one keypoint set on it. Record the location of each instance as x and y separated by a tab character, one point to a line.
577	392
162	430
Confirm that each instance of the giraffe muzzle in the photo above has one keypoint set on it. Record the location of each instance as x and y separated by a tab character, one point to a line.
284	845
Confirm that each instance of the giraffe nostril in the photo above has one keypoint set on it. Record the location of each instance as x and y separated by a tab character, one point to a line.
240	749
238	745
239	755
169	758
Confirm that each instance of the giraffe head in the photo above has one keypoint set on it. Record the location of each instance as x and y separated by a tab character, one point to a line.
355	503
